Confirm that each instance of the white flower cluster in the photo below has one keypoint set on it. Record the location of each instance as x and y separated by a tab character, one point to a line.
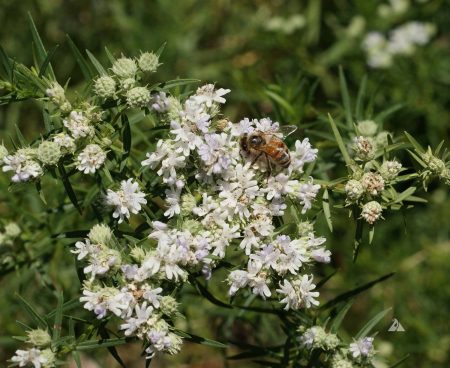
359	352
73	143
235	204
78	135
40	355
127	290
231	201
402	40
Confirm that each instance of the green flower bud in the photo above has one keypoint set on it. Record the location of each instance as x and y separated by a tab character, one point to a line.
188	203
354	190
339	361
373	183
175	109
435	164
66	107
381	140
65	142
3	152
305	228
48	153
100	234
390	169
138	254
39	337
12	230
193	226
138	97
148	62
105	87
364	148
124	68
367	128
56	93
371	212
168	306
128	83
49	358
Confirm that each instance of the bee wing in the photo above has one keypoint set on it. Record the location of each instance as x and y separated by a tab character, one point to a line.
286	130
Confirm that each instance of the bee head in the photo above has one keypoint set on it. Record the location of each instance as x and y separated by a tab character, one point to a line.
256	140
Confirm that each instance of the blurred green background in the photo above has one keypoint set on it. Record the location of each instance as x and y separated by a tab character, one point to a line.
250	47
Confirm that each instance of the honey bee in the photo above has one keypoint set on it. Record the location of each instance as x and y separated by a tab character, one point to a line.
269	144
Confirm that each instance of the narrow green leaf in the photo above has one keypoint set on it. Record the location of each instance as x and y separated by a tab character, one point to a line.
404	195
96	63
358	238
280	101
360	99
68	187
161	49
385	113
82	63
396	364
350	294
178	82
95	344
340	142
46	62
337	321
326	209
112	350
6	64
38	319
57	326
20	137
345	97
371	324
110	56
371	234
40	49
126	137
200	340
415	144
438	148
76	358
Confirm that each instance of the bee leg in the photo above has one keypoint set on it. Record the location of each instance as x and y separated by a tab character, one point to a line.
256	159
269	166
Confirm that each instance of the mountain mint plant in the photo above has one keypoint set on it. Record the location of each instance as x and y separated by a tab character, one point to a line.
174	200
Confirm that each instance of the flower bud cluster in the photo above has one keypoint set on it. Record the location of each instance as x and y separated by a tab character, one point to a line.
39	355
370	178
360	352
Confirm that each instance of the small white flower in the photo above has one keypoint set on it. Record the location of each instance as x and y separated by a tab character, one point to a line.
307	193
31	356
24	168
303	154
362	347
90	159
298	293
321	255
208	95
128	199
173	201
142	315
79	125
84	249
